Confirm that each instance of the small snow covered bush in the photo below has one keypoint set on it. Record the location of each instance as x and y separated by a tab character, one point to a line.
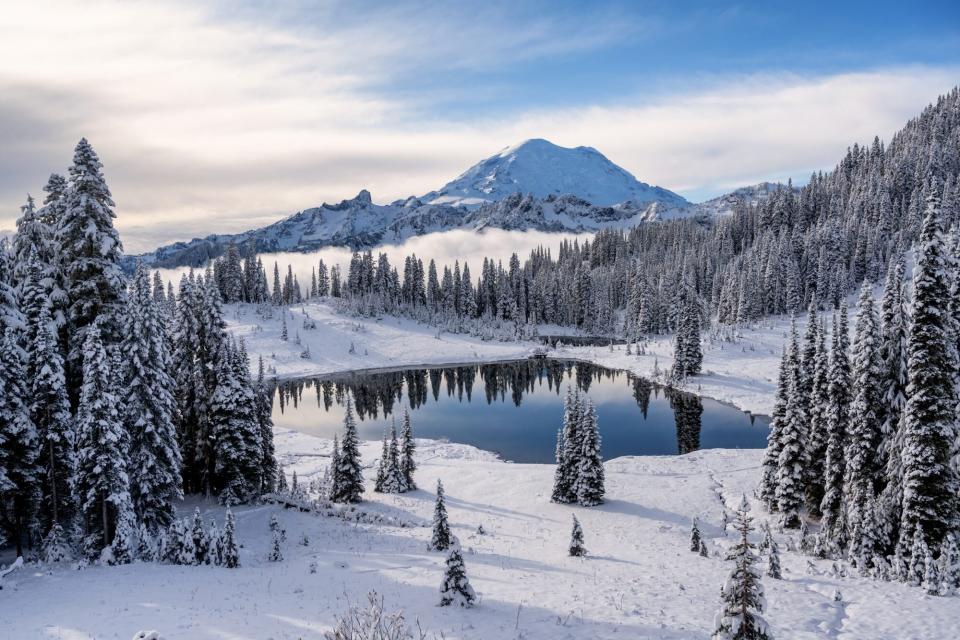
371	623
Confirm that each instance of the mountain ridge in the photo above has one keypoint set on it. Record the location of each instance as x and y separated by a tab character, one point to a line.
506	204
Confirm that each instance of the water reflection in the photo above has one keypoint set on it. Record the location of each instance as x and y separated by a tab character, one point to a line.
515	408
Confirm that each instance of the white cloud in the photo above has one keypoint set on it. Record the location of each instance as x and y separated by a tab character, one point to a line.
467	247
209	123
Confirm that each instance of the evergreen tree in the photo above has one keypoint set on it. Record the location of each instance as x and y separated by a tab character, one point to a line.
382	465
407	463
20	481
817	420
930	485
349	477
50	412
441	538
568	465
560	490
123	547
276	553
264	404
695	538
149	409
102	483
456	588
767	490
742	595
863	439
393	479
792	461
237	450
228	542
838	401
773	561
949	566
201	545
334	468
931	576
589	485
576	540
917	565
89	253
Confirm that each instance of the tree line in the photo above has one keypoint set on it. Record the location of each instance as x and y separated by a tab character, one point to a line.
864	439
117	396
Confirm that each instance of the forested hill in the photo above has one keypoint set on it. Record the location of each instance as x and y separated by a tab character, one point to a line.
770	255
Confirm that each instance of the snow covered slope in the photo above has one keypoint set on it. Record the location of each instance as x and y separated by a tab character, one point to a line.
542	168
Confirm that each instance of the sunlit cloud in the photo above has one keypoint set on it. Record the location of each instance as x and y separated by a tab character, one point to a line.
216	120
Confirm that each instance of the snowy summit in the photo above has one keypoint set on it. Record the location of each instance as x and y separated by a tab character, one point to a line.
542	168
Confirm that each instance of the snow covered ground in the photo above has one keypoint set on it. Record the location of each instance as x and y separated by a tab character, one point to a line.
638	581
742	372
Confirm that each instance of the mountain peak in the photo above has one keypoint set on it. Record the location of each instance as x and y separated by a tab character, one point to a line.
542	168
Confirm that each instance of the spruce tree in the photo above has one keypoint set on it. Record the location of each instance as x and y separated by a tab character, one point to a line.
442	538
232	415
149	409
102	483
916	566
201	544
817	423
382	465
767	490
930	485
89	252
792	461
393	479
742	595
589	485
334	473
949	566
560	491
264	405
228	542
349	474
773	561
838	401
568	465
276	553
20	481
124	545
50	412
407	463
455	588
863	439
577	549
695	538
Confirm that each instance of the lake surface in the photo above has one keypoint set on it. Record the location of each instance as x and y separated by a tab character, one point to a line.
515	409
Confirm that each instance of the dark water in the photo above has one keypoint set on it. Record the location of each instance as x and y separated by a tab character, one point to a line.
515	409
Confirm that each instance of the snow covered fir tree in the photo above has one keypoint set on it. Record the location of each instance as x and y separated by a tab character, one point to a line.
117	397
887	423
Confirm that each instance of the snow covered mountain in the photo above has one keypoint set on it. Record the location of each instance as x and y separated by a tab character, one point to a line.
542	168
534	185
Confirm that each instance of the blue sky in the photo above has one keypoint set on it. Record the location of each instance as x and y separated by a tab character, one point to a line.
217	116
578	53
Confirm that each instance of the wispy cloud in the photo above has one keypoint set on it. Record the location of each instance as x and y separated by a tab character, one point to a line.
220	118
